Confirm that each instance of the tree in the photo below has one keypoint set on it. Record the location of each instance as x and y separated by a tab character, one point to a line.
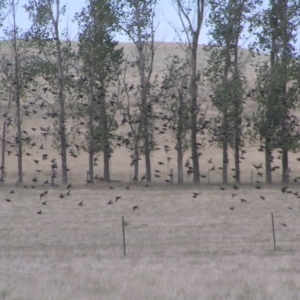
275	92
55	61
191	14
15	84
100	69
136	19
176	108
226	21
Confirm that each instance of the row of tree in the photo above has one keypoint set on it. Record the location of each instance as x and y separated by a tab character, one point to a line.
86	83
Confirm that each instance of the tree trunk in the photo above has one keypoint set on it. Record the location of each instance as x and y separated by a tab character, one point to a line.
19	139
179	138
3	151
105	140
91	131
284	62
225	148
285	166
106	158
268	153
237	154
136	155
194	113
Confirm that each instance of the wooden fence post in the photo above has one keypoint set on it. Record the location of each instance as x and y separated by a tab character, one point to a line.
273	227
123	229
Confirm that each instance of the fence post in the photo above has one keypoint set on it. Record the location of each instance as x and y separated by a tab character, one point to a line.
123	227
274	240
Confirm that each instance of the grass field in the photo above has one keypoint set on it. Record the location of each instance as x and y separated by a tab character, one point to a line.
178	247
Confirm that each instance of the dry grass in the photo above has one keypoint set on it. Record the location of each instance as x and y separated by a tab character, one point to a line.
178	247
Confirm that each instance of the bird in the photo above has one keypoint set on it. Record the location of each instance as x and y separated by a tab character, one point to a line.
109	202
12	192
262	197
117	198
135	207
235	187
283	189
44	203
232	208
68	193
61	195
80	203
195	195
127	187
69	186
243	201
222	188
257	167
283	224
233	195
7	200
39	212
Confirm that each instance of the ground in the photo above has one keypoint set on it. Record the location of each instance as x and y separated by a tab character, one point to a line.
177	246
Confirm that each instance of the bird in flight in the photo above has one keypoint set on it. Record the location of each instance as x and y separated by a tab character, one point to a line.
135	207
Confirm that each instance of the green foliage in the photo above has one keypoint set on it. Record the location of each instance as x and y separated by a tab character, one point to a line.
175	80
277	90
99	70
